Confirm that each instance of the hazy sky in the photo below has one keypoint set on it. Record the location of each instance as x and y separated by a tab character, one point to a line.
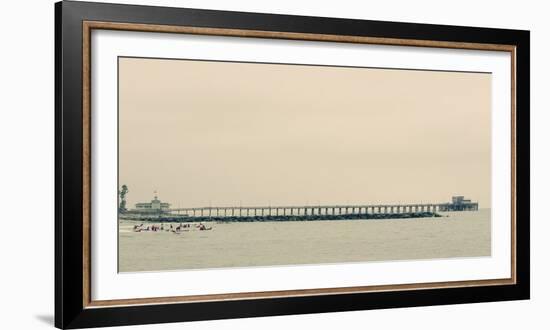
212	133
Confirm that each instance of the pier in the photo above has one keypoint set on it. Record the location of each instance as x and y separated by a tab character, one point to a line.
303	210
458	203
298	212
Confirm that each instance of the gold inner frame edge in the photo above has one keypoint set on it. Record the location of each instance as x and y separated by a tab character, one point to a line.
88	26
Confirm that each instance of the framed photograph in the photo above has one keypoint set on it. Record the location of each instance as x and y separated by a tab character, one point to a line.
214	164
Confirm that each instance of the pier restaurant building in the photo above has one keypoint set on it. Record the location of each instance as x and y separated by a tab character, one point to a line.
155	206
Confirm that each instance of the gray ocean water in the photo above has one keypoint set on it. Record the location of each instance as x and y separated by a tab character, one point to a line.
247	244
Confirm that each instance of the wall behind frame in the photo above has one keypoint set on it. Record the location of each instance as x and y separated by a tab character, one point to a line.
27	169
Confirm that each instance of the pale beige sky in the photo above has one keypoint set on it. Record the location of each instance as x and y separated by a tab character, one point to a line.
217	133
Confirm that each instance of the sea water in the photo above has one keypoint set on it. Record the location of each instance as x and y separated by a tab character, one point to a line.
248	244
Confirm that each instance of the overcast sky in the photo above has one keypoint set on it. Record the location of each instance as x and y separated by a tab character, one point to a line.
212	133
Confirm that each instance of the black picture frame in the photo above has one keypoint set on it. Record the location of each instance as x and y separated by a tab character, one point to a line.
70	309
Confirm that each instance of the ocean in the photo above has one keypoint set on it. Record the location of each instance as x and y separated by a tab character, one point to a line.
250	244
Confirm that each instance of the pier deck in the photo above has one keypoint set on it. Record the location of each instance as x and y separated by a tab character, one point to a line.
327	210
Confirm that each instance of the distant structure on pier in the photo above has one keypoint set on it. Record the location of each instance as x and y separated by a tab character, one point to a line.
459	203
155	206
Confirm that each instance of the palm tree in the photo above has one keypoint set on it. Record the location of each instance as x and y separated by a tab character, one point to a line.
122	193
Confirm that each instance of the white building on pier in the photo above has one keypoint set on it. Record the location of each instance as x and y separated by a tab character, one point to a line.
155	206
